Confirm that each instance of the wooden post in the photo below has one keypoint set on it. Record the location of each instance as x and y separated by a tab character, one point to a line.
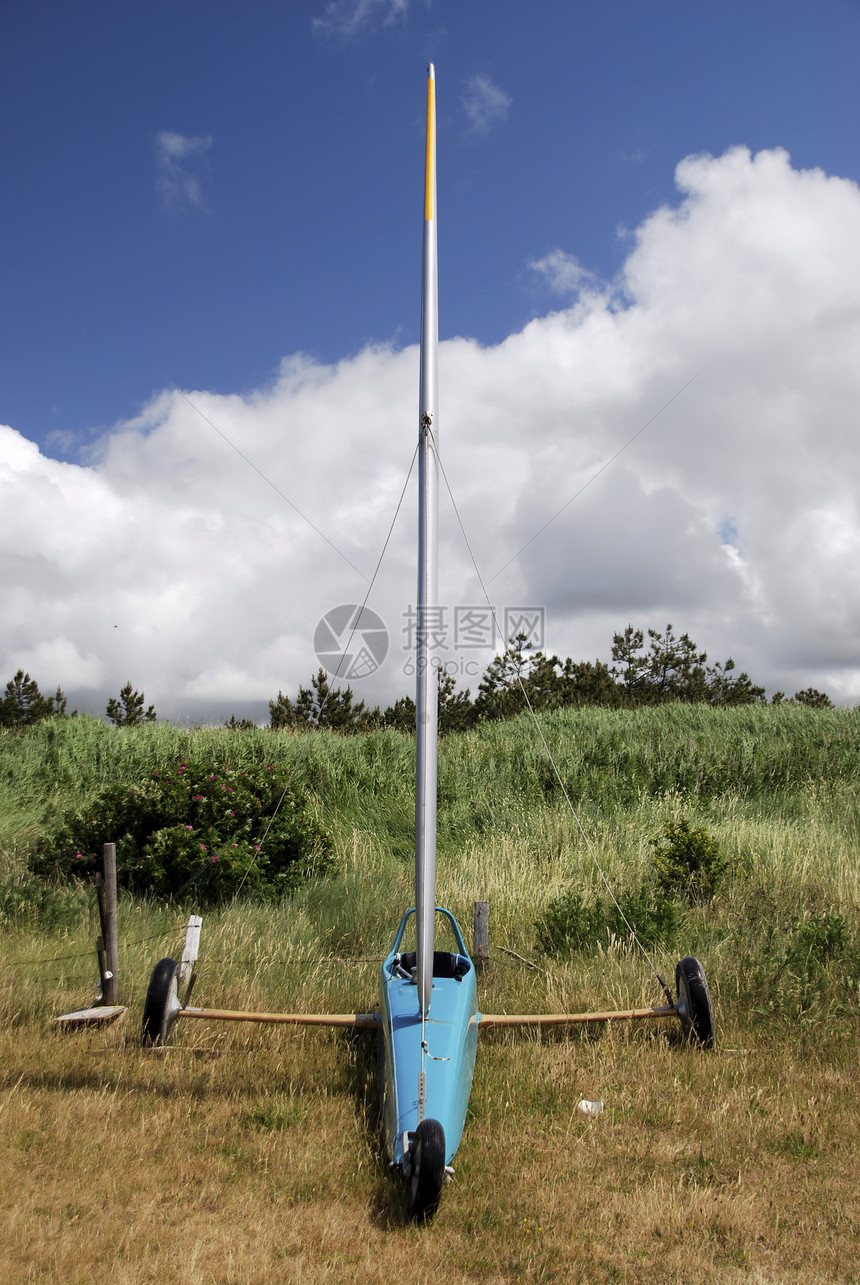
109	991
99	880
100	956
481	939
100	940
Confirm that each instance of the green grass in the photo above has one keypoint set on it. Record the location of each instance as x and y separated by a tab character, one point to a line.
777	787
257	1149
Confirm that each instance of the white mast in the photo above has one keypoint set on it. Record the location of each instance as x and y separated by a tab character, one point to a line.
426	698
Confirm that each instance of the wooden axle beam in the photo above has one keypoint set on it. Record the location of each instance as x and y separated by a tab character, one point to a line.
488	1021
288	1019
369	1021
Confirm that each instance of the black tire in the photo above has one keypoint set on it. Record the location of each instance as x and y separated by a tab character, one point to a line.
694	1002
161	1006
427	1171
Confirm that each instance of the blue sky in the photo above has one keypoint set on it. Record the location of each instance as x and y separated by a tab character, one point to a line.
226	199
302	126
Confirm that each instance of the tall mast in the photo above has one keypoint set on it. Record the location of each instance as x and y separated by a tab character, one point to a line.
426	698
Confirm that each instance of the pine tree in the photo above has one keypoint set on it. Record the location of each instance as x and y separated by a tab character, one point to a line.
281	713
813	698
57	704
128	711
322	705
24	704
456	711
588	682
400	715
500	694
674	669
517	679
630	668
722	690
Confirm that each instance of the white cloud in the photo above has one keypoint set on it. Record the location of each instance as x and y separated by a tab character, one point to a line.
351	17
484	104
563	272
735	516
181	169
59	655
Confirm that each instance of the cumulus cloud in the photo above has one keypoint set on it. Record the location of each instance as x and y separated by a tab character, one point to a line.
734	515
562	272
352	17
181	169
484	104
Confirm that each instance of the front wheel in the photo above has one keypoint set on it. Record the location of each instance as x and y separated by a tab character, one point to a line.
426	1171
694	1002
161	1007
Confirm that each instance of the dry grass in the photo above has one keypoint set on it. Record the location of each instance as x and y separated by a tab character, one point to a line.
251	1155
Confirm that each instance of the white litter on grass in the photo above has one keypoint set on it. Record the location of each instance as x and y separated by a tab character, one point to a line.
589	1108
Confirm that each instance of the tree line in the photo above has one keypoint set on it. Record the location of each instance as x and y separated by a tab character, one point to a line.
642	672
665	668
23	705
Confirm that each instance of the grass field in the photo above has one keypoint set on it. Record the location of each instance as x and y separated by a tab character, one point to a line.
252	1154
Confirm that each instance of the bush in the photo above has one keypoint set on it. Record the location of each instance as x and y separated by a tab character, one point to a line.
200	826
818	940
688	863
571	924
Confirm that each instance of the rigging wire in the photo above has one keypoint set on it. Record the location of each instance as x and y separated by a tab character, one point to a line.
267	480
587	484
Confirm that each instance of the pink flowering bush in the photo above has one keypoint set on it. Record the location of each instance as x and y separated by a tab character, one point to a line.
203	830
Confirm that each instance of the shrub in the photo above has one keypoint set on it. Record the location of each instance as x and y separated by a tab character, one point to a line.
688	863
571	924
819	939
200	826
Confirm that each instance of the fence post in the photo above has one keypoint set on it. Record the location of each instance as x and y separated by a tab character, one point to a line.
481	938
109	931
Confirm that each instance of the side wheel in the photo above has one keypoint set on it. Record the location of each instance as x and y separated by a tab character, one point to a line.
426	1172
162	1006
694	1002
